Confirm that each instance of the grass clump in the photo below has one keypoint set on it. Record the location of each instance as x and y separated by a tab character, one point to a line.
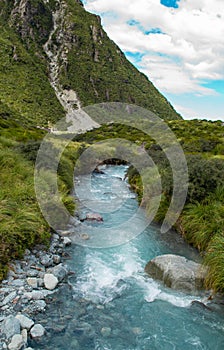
21	223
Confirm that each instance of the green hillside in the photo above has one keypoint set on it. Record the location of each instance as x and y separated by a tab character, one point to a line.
94	66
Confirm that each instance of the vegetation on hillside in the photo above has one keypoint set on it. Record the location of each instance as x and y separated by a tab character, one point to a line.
96	68
99	71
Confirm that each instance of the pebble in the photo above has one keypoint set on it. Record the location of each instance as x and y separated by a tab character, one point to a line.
32	281
106	331
37	331
24	334
18	283
9	298
16	342
25	322
85	237
46	260
56	259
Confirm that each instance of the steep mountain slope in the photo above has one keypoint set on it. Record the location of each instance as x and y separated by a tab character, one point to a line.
55	41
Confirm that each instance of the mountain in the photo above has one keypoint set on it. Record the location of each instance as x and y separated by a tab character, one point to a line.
55	57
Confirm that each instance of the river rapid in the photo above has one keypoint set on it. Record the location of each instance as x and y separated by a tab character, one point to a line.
110	304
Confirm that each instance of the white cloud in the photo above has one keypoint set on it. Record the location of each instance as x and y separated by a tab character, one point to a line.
192	42
188	113
169	76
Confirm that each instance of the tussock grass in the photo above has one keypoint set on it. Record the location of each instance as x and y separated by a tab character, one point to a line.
21	223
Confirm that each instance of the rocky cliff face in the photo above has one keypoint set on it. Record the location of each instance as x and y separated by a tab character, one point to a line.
68	46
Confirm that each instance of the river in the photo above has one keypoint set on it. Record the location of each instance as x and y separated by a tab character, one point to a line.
110	303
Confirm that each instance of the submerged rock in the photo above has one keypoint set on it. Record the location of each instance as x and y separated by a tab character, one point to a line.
94	217
106	331
177	272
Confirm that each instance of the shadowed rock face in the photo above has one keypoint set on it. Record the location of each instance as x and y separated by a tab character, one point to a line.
177	272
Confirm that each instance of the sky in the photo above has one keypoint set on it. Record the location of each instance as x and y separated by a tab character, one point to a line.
178	44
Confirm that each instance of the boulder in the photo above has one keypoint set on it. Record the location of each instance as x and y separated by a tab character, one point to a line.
177	272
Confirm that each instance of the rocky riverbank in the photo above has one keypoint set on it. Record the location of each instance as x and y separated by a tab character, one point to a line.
23	295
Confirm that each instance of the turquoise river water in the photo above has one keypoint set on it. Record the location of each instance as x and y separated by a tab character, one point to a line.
110	304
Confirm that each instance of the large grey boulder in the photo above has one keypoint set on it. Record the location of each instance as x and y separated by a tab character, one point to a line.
177	272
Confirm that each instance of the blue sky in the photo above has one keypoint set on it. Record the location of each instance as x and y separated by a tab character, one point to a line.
178	44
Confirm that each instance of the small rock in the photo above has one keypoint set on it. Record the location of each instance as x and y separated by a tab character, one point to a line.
18	283
46	260
56	259
136	330
50	281
25	322
24	334
67	241
37	306
32	273
5	307
28	349
55	236
35	295
106	331
9	298
74	344
32	281
84	236
16	342
40	282
59	271
94	217
37	331
10	326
